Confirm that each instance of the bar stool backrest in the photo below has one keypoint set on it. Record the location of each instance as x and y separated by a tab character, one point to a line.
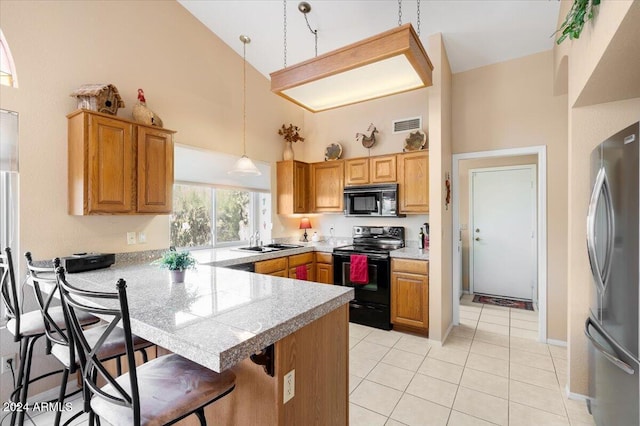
76	300
9	291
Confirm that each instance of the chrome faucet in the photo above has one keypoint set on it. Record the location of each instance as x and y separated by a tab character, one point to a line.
256	237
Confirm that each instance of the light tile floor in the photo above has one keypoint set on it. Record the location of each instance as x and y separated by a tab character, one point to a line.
490	371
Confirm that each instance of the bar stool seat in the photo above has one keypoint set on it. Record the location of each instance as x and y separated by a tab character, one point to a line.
111	348
32	323
167	386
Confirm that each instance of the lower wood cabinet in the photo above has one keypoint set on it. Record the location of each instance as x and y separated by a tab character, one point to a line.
277	267
299	260
410	294
324	268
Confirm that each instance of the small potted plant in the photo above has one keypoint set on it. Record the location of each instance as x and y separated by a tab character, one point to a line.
291	135
177	262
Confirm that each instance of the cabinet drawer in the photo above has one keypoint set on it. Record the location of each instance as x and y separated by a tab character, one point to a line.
324	258
273	265
300	259
411	266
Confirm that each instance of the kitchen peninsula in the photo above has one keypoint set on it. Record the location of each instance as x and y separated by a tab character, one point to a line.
219	317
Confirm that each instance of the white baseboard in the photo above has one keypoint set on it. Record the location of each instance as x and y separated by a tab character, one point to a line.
446	333
575	396
555	342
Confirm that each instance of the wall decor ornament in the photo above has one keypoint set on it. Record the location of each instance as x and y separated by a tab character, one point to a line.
291	135
98	97
368	139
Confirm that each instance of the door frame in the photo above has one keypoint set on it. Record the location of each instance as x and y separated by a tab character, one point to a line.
456	282
531	167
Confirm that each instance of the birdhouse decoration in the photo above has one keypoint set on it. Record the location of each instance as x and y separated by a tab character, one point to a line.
99	97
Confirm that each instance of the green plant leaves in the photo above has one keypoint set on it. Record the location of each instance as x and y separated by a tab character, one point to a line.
581	11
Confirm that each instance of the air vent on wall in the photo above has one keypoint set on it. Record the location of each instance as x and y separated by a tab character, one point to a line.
407	124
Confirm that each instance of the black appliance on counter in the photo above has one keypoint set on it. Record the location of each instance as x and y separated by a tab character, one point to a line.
81	262
371	304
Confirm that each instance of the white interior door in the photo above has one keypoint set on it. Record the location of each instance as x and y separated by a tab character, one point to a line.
503	237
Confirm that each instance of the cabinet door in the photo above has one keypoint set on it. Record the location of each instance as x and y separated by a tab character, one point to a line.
410	300
292	179
110	163
324	273
413	179
278	266
356	171
327	182
383	169
311	276
155	171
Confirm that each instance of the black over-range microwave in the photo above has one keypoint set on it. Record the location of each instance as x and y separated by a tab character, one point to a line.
372	200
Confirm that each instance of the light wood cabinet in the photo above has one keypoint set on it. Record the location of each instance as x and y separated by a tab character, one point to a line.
413	182
356	171
155	170
293	187
306	259
324	268
363	171
410	294
327	185
278	267
383	169
116	166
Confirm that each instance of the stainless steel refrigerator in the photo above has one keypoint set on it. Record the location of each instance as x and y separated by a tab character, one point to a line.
613	236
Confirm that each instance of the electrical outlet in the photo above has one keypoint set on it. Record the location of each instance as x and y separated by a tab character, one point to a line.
131	237
289	386
142	237
6	359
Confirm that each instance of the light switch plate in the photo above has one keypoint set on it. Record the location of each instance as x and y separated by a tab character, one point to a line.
289	386
142	237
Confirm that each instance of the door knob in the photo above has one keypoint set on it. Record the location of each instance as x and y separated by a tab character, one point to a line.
477	238
477	229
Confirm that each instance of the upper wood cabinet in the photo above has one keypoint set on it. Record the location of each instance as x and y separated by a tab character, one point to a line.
356	171
293	187
327	185
117	166
363	171
155	170
383	169
413	182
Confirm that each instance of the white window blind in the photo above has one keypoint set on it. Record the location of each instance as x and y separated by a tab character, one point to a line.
8	141
203	166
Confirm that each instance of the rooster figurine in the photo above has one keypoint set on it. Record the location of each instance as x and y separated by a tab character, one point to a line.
368	139
144	115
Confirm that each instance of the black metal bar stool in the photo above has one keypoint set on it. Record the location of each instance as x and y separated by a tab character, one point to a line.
59	339
159	392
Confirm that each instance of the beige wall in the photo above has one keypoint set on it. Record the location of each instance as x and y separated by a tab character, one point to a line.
190	77
463	197
440	123
511	105
588	126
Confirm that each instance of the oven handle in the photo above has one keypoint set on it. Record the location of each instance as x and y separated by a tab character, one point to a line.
369	256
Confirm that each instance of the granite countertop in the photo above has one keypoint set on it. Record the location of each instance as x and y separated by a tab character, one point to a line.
218	316
233	256
411	253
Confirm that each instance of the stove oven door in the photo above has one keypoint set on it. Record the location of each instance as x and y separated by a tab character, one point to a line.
377	290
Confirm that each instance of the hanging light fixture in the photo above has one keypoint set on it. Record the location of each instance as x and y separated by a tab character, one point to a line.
386	64
244	165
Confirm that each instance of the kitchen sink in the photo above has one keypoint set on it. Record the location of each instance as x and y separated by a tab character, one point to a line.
269	247
282	246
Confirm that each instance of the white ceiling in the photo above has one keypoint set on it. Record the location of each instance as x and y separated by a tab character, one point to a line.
475	32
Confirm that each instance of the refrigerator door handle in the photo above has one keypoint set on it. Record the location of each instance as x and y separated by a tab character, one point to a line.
612	358
600	274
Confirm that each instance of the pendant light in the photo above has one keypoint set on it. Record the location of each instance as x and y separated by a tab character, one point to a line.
244	165
386	64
